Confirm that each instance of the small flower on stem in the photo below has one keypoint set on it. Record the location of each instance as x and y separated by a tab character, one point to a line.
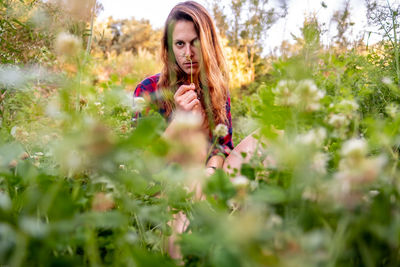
67	45
221	130
139	103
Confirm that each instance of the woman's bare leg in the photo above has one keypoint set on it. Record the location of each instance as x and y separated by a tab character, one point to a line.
249	145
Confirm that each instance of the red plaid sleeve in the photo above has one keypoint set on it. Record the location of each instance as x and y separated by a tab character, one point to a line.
146	89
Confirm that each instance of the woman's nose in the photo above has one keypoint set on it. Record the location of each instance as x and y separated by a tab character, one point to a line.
188	51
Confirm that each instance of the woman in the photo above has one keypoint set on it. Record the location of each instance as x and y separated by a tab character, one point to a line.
195	72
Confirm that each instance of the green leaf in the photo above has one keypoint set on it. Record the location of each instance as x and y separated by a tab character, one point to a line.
147	131
248	171
270	194
220	185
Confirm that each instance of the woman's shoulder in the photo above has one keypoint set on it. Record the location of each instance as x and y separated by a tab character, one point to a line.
149	84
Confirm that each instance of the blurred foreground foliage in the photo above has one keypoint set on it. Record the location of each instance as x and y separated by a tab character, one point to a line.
81	184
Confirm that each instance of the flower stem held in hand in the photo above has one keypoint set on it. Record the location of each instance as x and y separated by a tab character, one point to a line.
191	68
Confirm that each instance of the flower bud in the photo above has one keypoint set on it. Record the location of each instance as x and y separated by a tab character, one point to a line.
67	45
221	130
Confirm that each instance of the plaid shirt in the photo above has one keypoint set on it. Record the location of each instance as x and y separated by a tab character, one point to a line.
149	86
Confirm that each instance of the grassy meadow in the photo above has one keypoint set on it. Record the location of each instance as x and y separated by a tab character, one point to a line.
81	184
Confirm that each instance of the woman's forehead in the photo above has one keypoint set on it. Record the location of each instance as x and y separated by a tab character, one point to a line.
184	30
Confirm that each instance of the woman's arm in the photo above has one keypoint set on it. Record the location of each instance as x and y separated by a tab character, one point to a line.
215	162
225	144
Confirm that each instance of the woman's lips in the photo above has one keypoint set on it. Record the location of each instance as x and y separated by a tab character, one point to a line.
188	64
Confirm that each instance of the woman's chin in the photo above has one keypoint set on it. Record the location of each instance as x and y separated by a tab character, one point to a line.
194	73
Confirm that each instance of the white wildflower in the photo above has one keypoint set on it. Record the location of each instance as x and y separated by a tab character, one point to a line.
313	137
309	95
14	131
354	148
131	237
285	93
309	194
273	221
53	109
67	44
304	94
221	130
347	106
392	110
319	162
387	80
353	174
240	181
139	103
233	204
338	120
373	193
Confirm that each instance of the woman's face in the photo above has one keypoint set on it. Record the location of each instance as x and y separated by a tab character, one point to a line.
186	45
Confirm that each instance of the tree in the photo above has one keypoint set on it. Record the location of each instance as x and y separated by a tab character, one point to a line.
126	35
342	19
385	16
309	43
247	26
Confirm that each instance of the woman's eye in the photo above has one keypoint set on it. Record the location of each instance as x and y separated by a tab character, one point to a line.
179	43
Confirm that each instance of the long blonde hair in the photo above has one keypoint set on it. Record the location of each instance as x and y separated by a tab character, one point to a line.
213	75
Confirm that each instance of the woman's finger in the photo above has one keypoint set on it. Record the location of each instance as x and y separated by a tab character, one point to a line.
183	89
189	96
193	103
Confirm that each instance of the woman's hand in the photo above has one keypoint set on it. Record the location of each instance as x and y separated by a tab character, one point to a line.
186	98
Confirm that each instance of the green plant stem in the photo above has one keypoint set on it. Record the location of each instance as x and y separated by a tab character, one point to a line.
337	241
91	247
89	43
191	71
141	230
395	45
211	147
20	252
78	87
295	121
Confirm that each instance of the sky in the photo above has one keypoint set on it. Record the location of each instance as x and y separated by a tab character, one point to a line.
156	11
